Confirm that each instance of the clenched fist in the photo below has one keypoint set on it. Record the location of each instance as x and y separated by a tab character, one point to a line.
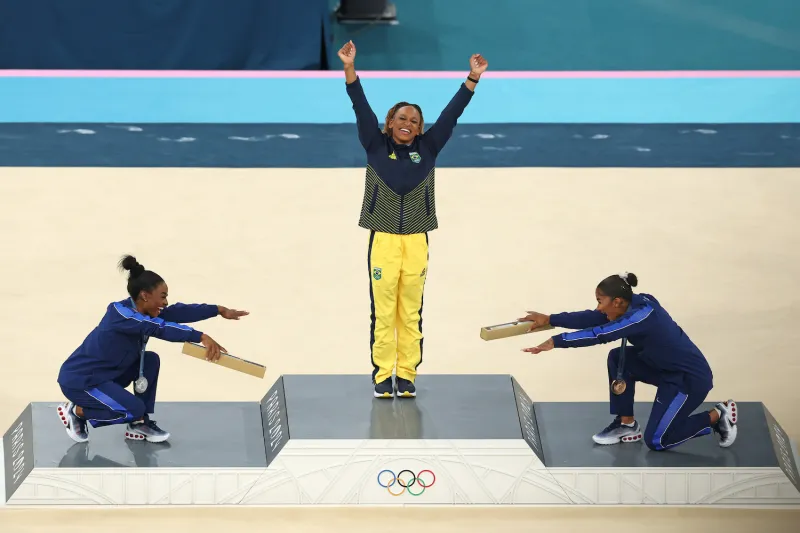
347	53
477	65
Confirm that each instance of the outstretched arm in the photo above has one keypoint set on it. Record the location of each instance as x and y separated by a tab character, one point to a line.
366	121
578	319
186	313
441	131
129	321
625	326
573	320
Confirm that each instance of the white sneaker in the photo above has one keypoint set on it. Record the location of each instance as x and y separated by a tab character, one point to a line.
75	425
146	430
618	432
726	427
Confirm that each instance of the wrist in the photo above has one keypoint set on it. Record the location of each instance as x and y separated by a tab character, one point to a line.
557	341
474	75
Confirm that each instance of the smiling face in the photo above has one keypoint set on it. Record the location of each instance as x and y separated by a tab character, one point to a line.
405	124
151	303
613	308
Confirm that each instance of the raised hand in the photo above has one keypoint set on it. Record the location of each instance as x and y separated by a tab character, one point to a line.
347	53
231	314
477	64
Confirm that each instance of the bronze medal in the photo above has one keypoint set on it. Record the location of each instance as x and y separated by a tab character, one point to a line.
618	386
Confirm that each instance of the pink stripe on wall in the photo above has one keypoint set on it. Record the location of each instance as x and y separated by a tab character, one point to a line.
301	74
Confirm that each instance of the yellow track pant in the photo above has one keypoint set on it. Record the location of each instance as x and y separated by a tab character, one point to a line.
398	267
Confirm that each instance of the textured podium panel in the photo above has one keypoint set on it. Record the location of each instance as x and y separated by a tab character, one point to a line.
324	440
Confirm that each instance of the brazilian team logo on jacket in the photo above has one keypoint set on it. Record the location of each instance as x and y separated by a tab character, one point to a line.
415	157
376	273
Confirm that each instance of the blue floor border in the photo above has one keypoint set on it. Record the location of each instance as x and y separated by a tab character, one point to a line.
336	145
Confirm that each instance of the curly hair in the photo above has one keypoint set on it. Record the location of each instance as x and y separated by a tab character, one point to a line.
390	115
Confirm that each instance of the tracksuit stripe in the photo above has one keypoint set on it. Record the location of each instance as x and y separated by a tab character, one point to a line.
667	419
371	307
421	305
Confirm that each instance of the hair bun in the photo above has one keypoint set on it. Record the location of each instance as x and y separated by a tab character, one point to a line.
629	278
130	264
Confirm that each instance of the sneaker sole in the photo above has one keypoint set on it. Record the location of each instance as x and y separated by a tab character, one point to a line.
626	439
731	437
383	395
130	435
733	412
64	420
734	430
406	394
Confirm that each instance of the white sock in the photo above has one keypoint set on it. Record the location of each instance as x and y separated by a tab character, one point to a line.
629	425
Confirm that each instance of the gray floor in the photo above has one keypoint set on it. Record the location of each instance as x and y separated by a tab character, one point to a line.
567	428
447	407
223	434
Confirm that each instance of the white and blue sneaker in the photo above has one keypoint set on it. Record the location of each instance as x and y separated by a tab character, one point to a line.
75	425
145	430
617	432
726	427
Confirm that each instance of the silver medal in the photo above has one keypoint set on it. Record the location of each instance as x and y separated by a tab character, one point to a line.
140	385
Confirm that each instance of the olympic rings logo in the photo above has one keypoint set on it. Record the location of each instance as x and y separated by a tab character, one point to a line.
405	482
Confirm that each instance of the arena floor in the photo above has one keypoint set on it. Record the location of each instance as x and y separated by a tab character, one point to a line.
720	248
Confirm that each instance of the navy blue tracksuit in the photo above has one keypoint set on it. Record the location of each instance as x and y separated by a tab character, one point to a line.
96	374
659	353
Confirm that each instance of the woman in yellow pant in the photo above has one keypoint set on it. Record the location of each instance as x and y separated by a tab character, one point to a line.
399	210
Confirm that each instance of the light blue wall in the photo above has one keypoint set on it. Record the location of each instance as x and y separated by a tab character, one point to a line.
228	100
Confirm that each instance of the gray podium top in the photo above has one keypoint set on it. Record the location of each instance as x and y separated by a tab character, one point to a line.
567	428
203	434
447	407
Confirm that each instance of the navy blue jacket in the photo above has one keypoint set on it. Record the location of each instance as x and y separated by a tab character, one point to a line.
115	345
652	335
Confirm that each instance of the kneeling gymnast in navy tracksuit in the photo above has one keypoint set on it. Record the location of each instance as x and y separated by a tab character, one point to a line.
659	354
94	378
